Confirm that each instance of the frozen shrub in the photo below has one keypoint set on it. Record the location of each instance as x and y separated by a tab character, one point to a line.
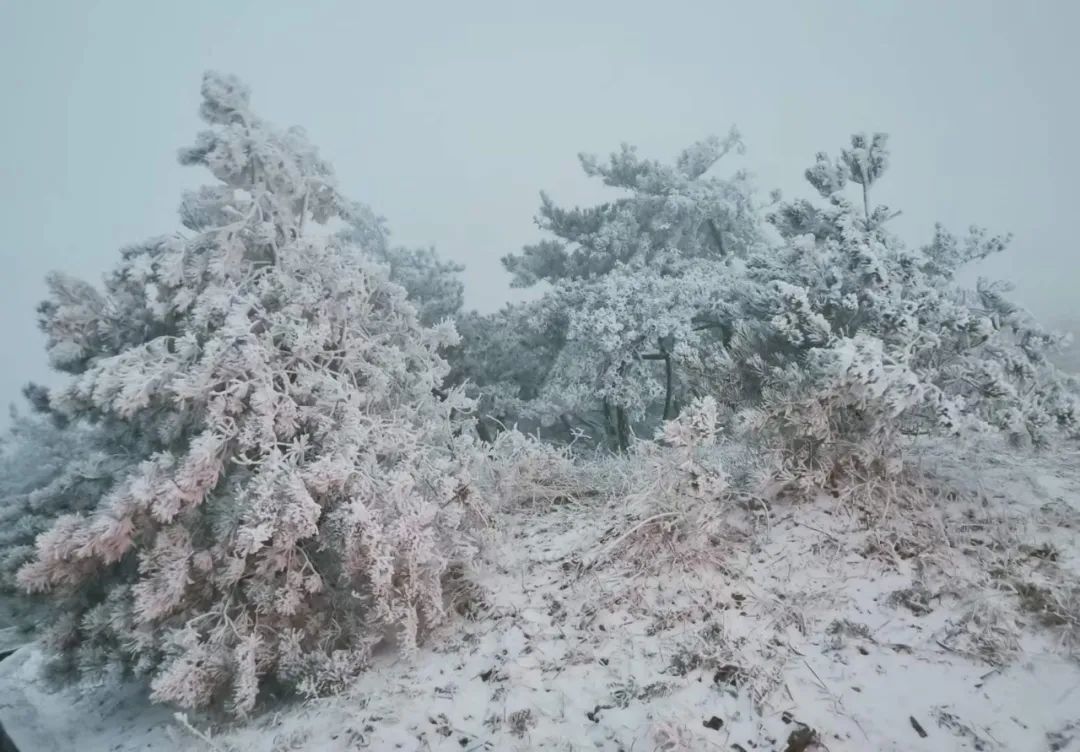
693	464
296	487
521	469
679	494
846	341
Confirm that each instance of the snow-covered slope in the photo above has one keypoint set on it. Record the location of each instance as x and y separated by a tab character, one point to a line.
879	621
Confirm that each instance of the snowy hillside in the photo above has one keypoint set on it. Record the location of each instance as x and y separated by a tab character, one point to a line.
927	623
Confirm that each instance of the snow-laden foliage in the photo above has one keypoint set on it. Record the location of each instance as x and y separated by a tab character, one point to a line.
47	469
831	341
503	362
670	214
634	282
295	489
1068	358
433	284
846	339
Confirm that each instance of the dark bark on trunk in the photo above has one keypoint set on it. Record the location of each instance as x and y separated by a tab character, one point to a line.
483	431
668	414
717	237
623	427
609	425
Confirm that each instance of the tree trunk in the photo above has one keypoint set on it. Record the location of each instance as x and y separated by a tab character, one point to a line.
623	427
609	425
483	431
717	237
668	414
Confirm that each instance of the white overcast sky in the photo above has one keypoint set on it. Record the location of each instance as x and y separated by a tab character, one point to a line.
450	117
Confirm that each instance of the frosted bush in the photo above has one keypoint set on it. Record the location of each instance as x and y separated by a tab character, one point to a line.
522	470
681	495
846	341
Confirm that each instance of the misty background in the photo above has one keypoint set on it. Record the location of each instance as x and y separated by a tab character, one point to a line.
450	118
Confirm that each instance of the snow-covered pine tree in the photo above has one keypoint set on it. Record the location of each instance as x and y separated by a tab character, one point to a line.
635	281
847	340
297	490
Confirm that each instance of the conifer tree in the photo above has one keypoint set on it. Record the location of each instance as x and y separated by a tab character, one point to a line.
635	281
293	490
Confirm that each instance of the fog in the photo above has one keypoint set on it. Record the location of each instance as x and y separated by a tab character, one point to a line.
449	118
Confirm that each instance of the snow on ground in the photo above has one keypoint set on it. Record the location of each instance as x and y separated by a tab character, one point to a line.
918	622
